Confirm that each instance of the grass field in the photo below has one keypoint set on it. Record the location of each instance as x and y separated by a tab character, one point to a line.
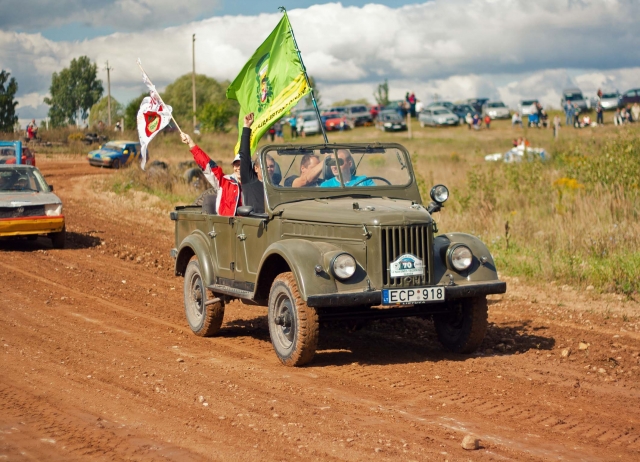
572	219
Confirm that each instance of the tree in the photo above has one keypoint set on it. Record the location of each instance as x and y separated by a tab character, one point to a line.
131	112
382	93
100	111
208	90
214	117
73	91
316	93
8	89
345	102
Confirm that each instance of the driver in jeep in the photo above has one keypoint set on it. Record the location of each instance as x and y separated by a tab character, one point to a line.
347	167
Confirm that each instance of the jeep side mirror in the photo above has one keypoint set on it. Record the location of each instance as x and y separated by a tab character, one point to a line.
245	210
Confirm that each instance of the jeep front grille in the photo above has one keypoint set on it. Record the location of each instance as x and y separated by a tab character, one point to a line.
398	240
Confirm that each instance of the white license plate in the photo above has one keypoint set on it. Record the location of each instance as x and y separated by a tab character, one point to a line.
397	127
413	295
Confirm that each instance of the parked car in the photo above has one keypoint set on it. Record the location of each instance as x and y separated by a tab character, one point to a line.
575	96
115	154
358	114
437	116
461	110
477	103
91	138
524	106
390	120
609	101
630	97
360	245
11	150
28	206
335	121
495	110
311	123
449	105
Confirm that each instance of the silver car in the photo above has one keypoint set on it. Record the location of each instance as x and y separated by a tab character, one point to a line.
28	206
437	116
495	110
574	95
524	106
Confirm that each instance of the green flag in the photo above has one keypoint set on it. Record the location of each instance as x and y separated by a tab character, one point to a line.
271	82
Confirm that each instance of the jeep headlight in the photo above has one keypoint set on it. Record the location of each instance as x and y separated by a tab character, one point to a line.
439	193
53	210
460	257
343	266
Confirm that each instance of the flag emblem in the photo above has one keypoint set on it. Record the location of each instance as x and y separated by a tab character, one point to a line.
265	91
152	122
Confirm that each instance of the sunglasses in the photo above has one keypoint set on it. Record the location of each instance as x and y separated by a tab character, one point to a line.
332	162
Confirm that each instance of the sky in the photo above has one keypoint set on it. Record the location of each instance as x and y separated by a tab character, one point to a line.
439	49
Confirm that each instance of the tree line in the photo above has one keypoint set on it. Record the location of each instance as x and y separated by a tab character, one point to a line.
76	98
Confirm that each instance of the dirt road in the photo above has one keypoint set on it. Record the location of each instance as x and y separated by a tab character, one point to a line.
98	363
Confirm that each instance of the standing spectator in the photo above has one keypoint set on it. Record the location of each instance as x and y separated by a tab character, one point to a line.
599	94
294	127
635	111
278	127
516	119
568	111
412	104
117	128
599	113
617	117
576	115
469	120
272	133
300	125
32	130
487	121
556	126
477	122
419	106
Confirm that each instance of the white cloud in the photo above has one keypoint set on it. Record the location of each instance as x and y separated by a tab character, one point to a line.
455	48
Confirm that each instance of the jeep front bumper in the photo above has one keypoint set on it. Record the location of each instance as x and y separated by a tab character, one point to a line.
374	297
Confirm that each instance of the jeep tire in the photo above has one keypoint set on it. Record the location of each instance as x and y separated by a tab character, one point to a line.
293	326
203	319
463	329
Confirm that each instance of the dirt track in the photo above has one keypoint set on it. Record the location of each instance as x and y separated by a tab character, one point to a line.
97	363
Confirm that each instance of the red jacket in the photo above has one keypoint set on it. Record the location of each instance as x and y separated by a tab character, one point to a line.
229	192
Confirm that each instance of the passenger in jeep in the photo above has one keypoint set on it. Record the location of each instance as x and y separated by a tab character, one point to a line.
229	190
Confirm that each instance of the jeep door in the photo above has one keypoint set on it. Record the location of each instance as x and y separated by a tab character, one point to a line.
251	243
223	250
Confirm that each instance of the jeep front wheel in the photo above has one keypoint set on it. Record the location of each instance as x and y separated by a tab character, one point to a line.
293	326
463	329
204	315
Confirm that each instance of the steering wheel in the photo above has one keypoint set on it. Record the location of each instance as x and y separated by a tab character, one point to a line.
371	178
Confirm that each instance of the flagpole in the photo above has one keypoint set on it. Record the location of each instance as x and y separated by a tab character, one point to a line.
174	120
304	69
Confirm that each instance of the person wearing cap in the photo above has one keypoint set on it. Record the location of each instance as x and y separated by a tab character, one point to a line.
229	190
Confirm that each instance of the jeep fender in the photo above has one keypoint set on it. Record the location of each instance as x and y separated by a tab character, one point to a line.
195	244
482	267
302	257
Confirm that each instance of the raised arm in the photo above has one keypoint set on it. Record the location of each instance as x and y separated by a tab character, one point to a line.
247	173
211	171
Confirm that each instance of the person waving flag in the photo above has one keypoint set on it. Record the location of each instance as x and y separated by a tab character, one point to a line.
270	83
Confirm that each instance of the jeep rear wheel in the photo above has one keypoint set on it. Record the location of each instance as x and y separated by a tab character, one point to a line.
204	314
293	326
463	329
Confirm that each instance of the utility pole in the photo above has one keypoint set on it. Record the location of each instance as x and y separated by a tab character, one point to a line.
109	69
193	78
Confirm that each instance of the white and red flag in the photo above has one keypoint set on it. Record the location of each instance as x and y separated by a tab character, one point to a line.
153	116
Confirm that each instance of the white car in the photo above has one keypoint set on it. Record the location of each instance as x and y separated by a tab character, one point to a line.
437	116
495	110
524	106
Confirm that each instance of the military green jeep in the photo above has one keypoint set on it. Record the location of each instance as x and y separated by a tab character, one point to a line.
353	242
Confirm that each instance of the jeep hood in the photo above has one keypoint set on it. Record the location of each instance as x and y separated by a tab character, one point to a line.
370	211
